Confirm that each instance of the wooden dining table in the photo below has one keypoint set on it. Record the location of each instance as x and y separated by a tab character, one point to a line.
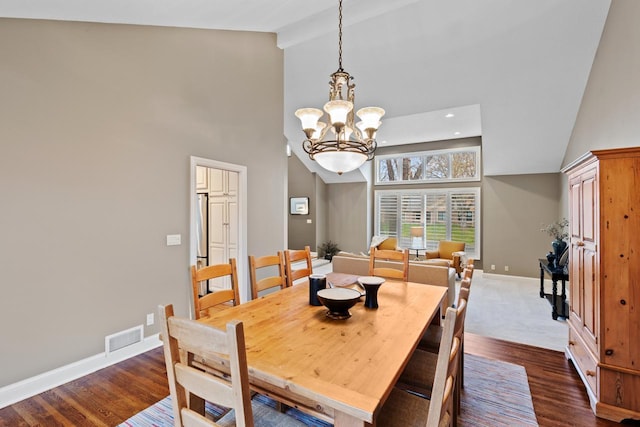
337	370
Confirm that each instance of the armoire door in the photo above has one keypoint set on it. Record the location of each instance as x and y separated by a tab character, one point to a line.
584	280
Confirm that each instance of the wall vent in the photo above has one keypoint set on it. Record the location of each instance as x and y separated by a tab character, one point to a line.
123	339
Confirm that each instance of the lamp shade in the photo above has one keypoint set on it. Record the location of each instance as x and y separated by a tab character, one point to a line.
318	132
309	117
417	232
370	116
340	161
338	110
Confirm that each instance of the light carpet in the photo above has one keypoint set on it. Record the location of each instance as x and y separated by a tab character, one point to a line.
510	308
495	394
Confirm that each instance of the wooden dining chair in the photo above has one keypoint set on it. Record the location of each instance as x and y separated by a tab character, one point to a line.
418	376
187	340
468	270
406	408
401	257
297	256
276	263
204	303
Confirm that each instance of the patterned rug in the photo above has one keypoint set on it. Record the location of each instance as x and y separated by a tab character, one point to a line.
495	394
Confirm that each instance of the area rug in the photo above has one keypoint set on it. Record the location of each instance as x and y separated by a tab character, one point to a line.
495	394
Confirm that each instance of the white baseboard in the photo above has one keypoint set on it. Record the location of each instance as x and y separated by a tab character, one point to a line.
29	387
506	277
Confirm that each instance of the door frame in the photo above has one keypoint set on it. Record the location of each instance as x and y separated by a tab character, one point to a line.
241	261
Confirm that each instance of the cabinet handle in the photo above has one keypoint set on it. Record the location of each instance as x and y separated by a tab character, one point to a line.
572	343
590	373
580	243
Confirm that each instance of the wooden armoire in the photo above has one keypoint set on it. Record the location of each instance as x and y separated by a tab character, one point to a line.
604	291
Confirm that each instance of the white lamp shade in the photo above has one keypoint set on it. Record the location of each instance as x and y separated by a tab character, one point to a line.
309	117
370	116
346	133
340	161
363	128
316	133
338	110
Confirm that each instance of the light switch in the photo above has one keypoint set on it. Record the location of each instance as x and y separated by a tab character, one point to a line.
174	239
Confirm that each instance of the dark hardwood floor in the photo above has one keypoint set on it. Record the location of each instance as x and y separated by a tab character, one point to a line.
113	394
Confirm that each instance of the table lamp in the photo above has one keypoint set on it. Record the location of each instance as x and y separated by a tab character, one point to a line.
416	234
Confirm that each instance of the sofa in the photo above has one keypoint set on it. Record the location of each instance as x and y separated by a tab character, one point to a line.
428	272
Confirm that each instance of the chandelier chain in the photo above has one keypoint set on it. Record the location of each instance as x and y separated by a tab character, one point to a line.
340	36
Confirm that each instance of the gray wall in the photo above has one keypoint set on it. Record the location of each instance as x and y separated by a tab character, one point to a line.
514	209
302	183
347	216
609	115
322	211
97	125
338	211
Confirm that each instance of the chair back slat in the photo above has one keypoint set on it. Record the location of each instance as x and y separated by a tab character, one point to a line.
293	256
402	272
203	303
269	261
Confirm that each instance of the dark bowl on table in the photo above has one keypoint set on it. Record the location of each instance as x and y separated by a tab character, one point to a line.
338	301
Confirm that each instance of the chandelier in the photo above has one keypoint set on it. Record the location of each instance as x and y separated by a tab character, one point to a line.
347	146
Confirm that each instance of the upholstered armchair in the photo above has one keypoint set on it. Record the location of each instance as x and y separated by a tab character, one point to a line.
384	243
449	251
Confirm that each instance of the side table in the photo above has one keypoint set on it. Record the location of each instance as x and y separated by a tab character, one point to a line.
417	249
559	307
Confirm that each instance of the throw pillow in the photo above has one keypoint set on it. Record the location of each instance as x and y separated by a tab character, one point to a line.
390	243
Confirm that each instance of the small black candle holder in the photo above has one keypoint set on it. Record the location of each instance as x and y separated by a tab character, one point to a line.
371	297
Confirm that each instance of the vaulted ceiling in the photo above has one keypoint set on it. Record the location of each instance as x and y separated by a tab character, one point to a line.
511	71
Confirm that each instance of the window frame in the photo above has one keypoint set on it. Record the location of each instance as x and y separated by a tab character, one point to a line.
424	193
450	152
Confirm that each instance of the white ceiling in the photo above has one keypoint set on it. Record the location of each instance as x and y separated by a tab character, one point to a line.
511	71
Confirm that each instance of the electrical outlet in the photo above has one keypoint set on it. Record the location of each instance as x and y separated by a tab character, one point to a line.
150	319
506	268
493	266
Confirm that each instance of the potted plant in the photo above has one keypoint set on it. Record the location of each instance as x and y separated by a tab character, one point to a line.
329	249
558	230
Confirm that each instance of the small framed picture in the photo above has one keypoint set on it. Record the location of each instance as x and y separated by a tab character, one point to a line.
299	206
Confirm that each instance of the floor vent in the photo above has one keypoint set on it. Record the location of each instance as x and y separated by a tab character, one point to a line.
123	339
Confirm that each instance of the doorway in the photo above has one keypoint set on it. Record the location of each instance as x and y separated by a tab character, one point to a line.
218	220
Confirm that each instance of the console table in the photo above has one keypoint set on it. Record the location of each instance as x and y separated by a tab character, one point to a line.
559	307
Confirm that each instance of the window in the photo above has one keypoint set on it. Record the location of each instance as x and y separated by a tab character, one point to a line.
445	214
452	165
